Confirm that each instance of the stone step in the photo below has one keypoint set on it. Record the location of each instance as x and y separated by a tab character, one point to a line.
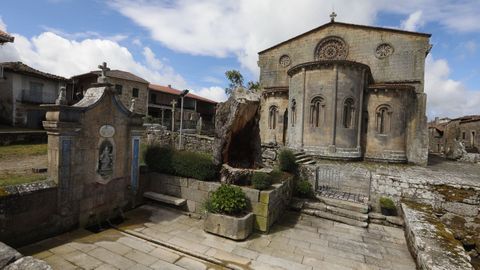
352	206
305	159
164	198
311	162
330	216
336	211
299	154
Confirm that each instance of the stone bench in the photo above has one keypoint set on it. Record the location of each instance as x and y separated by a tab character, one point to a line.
164	198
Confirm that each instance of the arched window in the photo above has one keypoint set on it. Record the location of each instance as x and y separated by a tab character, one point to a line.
272	117
348	112
294	112
384	116
316	111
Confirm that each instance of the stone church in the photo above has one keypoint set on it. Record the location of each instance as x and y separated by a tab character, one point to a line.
346	91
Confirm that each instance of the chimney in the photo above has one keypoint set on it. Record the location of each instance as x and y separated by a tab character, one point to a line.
169	86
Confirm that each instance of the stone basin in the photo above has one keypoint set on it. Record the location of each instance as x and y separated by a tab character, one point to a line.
236	228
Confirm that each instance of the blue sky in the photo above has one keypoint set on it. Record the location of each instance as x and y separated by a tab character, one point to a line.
191	43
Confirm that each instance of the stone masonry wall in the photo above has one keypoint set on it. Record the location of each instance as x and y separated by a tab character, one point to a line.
27	213
190	142
267	205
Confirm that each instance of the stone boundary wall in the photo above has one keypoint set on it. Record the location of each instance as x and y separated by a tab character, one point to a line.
432	245
28	213
267	205
190	142
16	137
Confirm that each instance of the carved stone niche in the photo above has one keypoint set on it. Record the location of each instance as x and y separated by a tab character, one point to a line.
105	160
331	48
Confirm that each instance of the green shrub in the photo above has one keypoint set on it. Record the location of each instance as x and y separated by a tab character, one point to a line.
159	158
303	189
228	200
164	159
288	162
387	203
195	165
261	180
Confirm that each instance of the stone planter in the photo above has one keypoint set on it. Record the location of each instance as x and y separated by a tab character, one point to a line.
236	228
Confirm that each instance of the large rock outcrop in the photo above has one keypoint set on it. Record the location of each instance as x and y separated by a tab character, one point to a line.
237	134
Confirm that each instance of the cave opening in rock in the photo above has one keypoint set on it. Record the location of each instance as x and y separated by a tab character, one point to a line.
242	150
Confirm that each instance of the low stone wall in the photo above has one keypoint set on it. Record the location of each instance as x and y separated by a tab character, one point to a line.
267	205
190	142
432	245
11	259
16	137
28	213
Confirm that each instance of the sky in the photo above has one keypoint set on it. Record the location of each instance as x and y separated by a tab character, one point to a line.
189	44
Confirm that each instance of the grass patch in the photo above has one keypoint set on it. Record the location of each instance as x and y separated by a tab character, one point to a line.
17	179
22	150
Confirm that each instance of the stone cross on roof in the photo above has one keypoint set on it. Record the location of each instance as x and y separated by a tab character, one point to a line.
332	16
103	76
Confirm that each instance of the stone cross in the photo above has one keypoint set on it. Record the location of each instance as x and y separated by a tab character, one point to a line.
332	16
103	77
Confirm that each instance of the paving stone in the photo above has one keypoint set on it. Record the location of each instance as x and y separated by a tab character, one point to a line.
164	254
190	245
82	260
162	265
191	264
84	247
43	254
63	249
247	253
140	267
106	267
228	257
116	247
287	264
319	264
112	258
137	244
141	257
57	262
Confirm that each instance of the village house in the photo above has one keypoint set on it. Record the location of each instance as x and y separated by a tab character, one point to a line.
445	133
346	91
163	100
5	37
128	86
22	90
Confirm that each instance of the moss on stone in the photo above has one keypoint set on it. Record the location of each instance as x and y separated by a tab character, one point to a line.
453	194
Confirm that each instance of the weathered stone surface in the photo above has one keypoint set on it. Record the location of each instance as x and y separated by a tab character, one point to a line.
237	228
237	137
375	215
461	208
434	245
456	150
395	220
28	263
8	255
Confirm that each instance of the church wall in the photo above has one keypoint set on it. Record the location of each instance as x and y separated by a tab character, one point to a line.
389	146
406	62
296	93
267	134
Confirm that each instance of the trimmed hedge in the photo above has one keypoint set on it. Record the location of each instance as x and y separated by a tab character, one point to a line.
164	159
261	180
227	199
287	161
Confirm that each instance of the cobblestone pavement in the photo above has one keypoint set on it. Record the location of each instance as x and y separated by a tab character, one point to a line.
297	242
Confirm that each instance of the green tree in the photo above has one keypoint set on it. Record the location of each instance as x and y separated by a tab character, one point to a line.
236	80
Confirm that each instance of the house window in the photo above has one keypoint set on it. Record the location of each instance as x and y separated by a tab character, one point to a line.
384	115
118	89
294	112
472	139
464	135
316	111
348	111
272	117
135	92
153	98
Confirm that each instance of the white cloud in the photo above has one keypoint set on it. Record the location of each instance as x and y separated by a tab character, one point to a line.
211	79
413	22
447	97
52	53
242	28
215	93
85	35
3	26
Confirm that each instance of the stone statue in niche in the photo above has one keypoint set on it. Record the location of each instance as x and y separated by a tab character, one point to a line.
105	159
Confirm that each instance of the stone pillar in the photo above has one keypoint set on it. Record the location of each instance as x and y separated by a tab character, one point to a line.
332	147
359	109
303	106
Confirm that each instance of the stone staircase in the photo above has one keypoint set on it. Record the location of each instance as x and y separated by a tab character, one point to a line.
304	159
348	208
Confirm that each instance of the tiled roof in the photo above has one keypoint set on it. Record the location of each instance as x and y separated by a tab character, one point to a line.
173	91
115	73
5	37
20	67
